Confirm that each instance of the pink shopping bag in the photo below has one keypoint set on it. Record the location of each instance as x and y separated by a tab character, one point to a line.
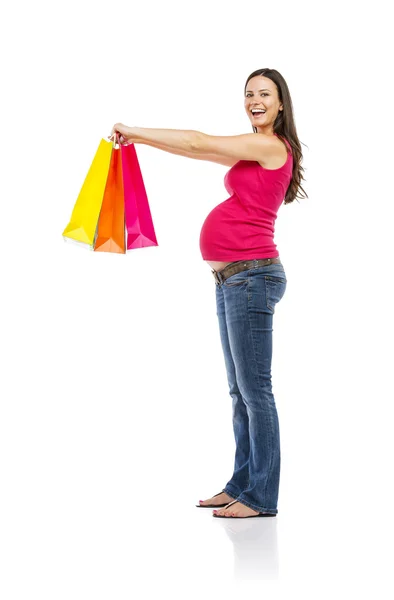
138	220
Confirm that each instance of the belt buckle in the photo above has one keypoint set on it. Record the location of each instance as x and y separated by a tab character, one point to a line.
217	277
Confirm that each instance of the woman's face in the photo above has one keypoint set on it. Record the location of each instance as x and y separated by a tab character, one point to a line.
261	93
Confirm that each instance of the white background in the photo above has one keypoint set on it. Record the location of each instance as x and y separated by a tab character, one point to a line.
115	412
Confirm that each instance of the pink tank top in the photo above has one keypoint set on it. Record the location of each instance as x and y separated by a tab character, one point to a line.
243	226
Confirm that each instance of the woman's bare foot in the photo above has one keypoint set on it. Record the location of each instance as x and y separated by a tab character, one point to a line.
236	510
220	499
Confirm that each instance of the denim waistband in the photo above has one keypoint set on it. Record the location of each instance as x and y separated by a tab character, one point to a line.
242	265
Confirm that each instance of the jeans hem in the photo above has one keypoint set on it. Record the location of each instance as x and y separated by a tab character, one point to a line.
231	494
272	511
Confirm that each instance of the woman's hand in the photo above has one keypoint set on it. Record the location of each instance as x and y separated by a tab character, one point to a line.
125	133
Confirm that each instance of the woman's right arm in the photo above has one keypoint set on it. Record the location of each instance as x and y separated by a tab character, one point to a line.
222	160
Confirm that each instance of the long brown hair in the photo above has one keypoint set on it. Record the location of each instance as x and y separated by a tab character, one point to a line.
284	126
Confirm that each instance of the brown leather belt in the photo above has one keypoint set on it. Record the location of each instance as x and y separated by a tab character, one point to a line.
242	265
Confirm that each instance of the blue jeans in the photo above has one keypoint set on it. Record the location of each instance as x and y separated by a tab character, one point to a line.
245	308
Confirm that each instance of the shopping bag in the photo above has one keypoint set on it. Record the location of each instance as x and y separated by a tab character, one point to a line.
139	225
112	212
82	225
110	234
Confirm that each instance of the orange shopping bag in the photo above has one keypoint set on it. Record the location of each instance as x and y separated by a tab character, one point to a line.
110	233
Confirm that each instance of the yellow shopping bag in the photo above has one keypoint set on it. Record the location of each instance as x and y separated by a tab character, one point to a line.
86	211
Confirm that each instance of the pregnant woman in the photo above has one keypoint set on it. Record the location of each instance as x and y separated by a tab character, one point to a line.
237	241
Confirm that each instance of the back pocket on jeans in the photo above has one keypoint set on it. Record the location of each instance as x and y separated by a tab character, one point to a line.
275	288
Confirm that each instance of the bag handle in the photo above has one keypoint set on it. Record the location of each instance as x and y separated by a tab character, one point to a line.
115	140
